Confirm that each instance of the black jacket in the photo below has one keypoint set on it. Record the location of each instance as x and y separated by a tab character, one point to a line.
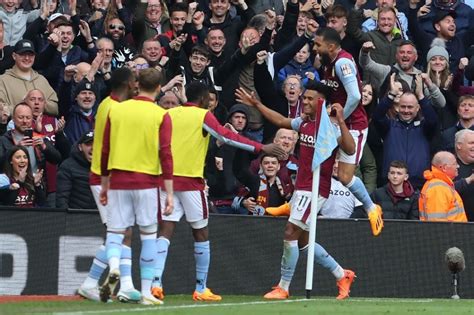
406	209
73	190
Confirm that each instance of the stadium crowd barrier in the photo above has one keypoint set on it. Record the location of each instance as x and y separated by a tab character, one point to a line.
47	251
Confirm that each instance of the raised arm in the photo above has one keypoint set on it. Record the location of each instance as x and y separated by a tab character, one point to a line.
274	117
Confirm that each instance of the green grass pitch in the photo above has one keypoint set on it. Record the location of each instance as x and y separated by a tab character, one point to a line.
248	305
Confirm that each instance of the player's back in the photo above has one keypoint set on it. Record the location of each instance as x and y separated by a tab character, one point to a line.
189	143
134	136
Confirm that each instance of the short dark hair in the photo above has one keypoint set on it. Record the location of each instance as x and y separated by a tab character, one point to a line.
406	42
329	35
149	79
195	91
178	7
201	50
264	155
337	10
399	164
319	87
120	78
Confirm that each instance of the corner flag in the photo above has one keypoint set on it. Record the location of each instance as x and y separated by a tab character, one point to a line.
326	140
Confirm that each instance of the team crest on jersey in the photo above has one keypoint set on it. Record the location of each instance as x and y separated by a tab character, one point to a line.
49	128
346	70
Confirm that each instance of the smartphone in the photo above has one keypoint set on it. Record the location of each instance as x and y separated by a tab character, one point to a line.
29	133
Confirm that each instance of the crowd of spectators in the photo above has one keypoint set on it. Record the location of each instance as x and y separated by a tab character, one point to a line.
416	58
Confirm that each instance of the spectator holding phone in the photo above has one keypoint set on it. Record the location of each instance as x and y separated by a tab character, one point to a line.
39	148
24	187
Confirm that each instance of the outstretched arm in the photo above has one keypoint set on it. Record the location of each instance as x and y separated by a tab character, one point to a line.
274	117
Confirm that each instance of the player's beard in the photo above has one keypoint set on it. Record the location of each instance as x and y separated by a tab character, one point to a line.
325	59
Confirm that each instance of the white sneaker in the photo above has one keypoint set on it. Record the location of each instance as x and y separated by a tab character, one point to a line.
129	296
151	300
108	287
89	293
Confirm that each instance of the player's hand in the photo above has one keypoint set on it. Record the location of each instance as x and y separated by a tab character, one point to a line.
104	189
245	97
169	204
249	204
337	111
274	149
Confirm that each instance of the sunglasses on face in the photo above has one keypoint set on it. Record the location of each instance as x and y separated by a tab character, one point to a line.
116	26
142	66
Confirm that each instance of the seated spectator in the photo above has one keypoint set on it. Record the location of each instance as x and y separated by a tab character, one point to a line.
401	22
15	20
80	115
398	198
260	191
439	201
300	66
17	81
406	56
465	109
39	148
406	136
25	187
341	203
464	182
73	177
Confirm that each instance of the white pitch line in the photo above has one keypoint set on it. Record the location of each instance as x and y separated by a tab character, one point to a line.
190	306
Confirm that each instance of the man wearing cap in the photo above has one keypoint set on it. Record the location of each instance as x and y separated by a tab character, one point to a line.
40	29
15	20
80	115
21	78
445	26
428	13
73	189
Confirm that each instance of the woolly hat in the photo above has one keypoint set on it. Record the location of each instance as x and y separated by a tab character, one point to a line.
438	48
85	85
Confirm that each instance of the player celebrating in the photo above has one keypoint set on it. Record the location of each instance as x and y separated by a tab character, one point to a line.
192	124
297	226
340	74
122	83
136	150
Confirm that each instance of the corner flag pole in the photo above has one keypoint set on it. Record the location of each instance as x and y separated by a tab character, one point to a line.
312	232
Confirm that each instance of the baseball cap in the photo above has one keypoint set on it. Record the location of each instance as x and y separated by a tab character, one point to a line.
55	16
440	15
23	46
86	138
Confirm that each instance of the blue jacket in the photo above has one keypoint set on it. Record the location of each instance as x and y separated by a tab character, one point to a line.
408	142
295	68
